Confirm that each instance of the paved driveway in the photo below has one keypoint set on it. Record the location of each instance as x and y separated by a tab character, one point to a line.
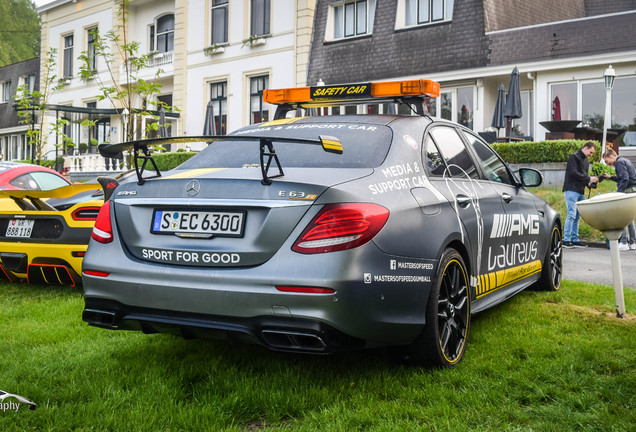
593	264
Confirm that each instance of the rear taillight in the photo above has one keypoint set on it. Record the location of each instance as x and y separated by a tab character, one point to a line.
85	214
103	231
341	226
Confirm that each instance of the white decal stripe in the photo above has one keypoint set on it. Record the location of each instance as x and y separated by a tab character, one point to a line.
495	225
506	233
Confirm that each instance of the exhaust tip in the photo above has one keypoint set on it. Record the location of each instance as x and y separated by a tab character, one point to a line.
99	318
293	341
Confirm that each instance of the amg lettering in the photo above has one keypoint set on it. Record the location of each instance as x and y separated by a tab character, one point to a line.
505	225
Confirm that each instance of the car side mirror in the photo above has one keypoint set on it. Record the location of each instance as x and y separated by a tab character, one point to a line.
530	177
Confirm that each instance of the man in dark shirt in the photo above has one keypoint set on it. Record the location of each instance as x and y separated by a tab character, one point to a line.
576	178
625	179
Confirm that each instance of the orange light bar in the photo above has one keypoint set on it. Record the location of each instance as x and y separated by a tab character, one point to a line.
405	88
345	92
281	96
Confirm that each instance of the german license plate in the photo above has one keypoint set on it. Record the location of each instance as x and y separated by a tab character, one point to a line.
216	223
19	228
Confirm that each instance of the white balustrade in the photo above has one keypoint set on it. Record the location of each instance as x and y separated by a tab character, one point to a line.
94	163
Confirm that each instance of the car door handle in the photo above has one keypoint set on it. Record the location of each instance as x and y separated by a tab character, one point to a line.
463	201
506	197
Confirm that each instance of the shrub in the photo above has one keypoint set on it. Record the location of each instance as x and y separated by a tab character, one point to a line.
542	151
598	169
45	163
168	161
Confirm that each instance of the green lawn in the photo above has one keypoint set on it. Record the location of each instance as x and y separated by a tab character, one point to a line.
542	362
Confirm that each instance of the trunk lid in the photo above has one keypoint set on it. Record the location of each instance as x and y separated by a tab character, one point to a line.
157	221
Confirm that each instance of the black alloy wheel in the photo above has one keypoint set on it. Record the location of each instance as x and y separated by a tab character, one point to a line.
443	340
553	263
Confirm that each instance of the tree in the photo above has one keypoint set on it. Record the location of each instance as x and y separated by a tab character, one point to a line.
130	97
32	107
19	31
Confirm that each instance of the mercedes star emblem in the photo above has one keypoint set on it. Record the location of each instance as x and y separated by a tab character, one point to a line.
193	187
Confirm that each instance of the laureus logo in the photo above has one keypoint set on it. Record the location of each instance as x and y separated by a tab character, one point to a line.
8	404
193	187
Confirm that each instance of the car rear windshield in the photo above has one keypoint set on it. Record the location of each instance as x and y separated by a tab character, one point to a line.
364	146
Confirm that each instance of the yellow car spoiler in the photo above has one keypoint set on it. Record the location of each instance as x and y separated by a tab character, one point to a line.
36	199
62	192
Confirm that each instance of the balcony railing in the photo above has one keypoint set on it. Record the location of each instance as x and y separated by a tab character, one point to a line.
161	59
95	164
158	60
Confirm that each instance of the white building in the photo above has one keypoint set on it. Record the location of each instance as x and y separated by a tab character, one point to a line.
204	50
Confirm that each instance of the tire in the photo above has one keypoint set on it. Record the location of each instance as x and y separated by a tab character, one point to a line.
552	271
442	343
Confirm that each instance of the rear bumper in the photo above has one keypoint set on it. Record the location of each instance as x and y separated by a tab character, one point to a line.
53	264
379	311
279	334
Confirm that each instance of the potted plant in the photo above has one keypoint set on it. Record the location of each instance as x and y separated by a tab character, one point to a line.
83	147
213	49
92	145
254	40
70	148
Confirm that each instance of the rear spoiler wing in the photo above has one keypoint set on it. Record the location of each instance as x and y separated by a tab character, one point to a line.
142	154
32	199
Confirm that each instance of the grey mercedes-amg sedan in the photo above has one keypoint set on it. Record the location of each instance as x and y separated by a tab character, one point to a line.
317	234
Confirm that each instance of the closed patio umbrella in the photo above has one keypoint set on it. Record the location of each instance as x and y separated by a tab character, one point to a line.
498	120
513	101
556	109
209	125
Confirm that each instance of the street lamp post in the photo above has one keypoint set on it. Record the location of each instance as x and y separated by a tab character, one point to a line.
609	76
124	118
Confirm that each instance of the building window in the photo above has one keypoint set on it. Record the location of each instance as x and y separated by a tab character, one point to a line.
259	110
91	38
15	147
27	82
219	21
419	12
446	105
353	18
523	126
165	34
218	97
151	31
6	91
68	56
103	130
465	104
623	107
31	83
260	17
564	101
23	145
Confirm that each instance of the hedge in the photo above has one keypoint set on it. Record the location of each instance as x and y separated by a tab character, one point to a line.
45	163
542	151
168	161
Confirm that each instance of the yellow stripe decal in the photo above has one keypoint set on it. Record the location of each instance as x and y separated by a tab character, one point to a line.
194	173
493	281
281	121
334	145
